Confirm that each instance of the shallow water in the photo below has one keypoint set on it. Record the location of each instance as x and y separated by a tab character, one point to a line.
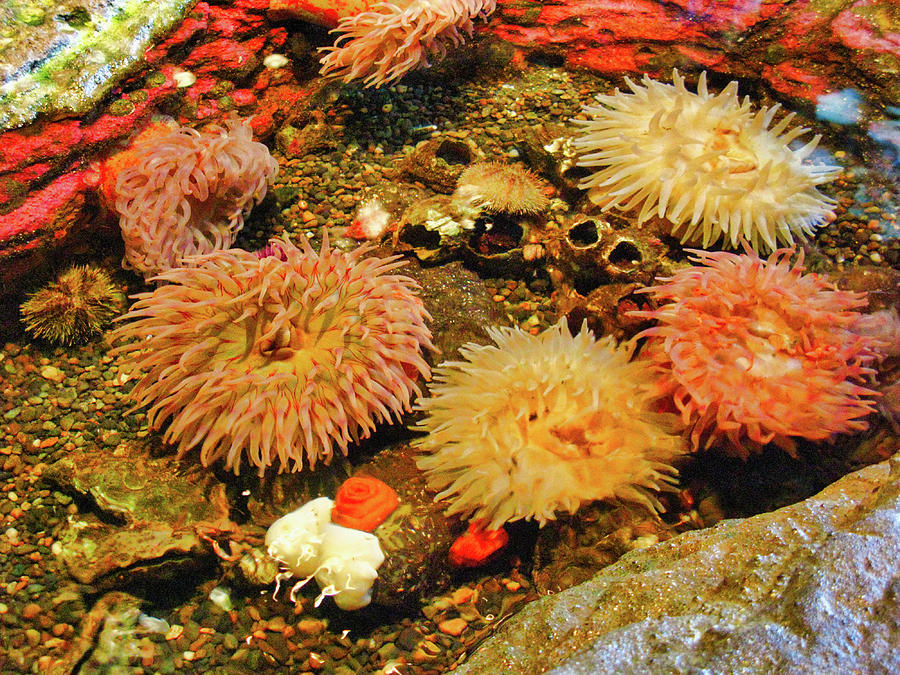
111	547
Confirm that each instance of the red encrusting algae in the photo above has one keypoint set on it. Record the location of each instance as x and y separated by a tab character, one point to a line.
477	545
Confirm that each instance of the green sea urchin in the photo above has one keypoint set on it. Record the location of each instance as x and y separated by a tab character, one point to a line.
503	188
74	308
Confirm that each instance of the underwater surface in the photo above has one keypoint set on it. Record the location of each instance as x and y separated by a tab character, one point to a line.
357	337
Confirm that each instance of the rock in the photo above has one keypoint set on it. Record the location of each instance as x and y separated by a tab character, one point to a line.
802	49
459	305
415	538
68	56
787	591
48	168
150	515
438	162
311	134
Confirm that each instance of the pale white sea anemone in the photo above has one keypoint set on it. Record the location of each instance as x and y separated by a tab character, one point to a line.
706	162
276	357
393	38
537	425
343	561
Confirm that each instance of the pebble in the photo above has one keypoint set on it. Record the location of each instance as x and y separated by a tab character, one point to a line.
453	627
52	373
31	610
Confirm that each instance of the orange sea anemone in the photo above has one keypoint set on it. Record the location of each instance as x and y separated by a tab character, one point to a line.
179	192
277	358
363	503
477	545
753	351
537	425
393	38
706	162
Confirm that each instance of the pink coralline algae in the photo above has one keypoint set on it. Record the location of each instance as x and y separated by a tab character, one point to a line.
753	351
393	38
180	192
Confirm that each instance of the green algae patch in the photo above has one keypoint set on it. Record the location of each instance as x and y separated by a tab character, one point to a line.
60	57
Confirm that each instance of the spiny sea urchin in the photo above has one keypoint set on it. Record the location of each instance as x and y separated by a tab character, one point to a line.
753	351
503	188
706	162
540	424
277	357
75	308
383	44
180	192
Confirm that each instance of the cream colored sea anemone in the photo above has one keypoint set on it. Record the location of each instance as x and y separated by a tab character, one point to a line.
503	188
537	425
277	356
706	162
393	38
181	192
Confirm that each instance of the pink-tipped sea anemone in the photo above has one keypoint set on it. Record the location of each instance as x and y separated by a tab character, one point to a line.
279	358
180	192
538	425
383	44
705	162
753	351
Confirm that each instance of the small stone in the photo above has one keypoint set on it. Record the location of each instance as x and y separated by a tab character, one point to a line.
430	648
53	374
184	79
33	636
453	627
310	626
31	610
275	61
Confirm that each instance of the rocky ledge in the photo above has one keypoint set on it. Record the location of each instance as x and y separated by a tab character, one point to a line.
811	587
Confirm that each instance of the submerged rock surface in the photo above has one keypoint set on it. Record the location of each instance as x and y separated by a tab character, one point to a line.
62	57
811	587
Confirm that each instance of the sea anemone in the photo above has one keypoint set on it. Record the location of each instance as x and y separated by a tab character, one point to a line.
180	192
540	424
753	351
277	357
343	561
706	162
503	188
382	45
363	503
75	308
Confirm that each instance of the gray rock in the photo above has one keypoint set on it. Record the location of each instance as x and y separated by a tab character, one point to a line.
62	56
809	588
